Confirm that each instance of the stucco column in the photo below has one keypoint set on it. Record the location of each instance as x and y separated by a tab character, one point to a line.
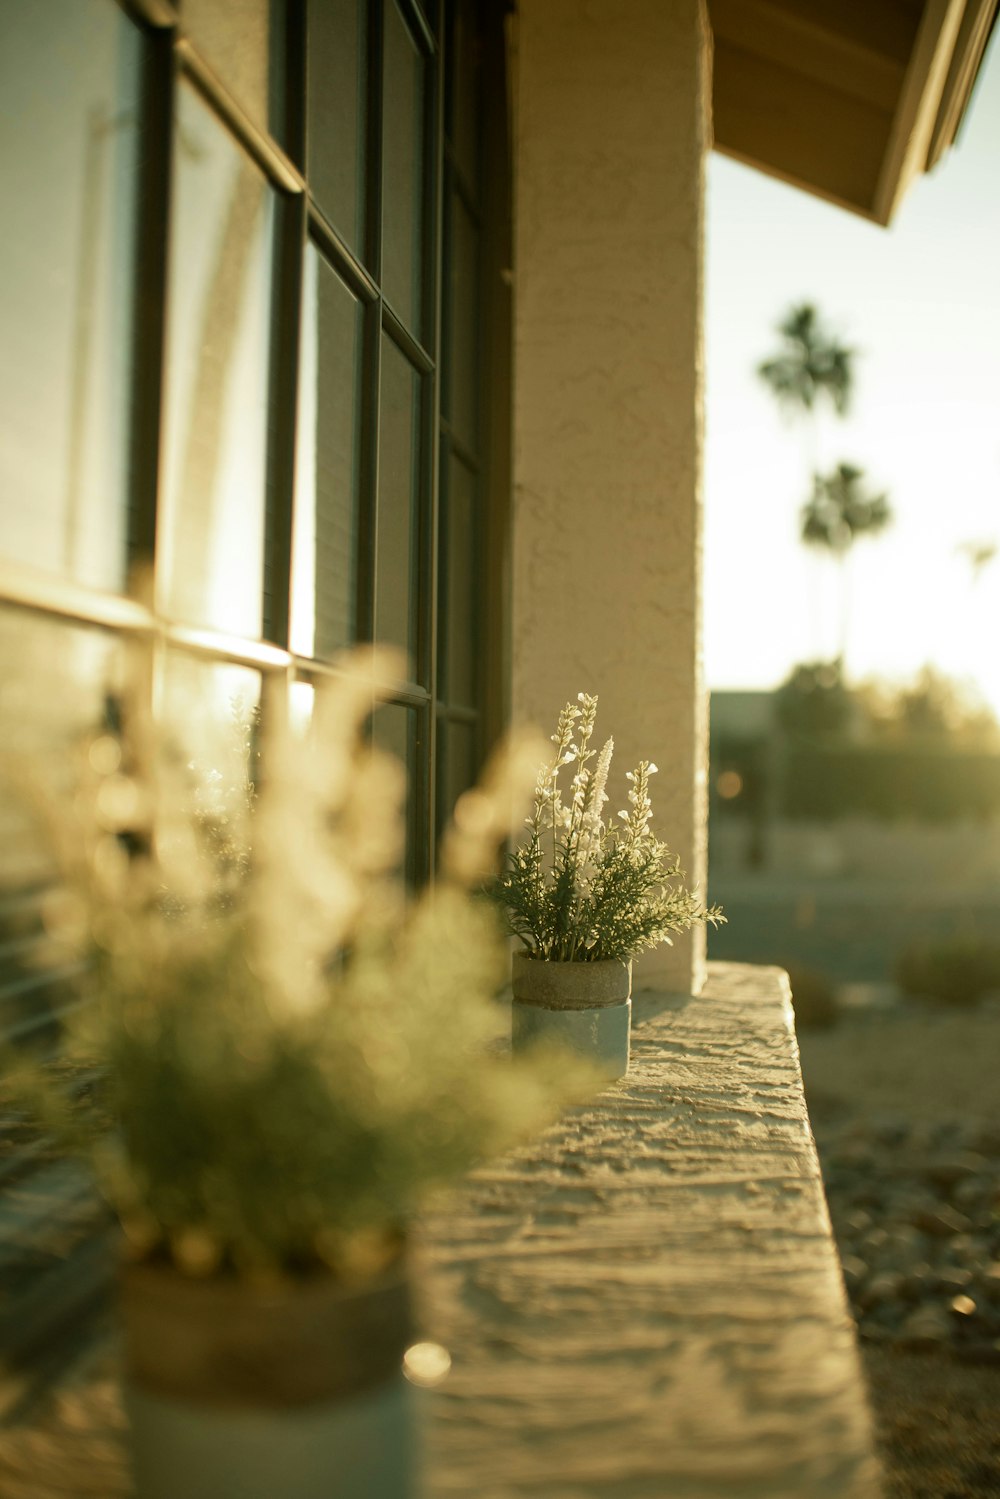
611	127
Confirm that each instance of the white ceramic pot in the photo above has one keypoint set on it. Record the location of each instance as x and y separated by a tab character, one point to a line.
235	1392
586	1007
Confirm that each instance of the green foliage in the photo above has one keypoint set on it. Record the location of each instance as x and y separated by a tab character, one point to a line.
814	998
582	890
829	781
810	363
935	709
840	510
955	971
291	1052
814	701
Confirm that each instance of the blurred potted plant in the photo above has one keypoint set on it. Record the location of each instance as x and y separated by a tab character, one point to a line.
584	897
290	1054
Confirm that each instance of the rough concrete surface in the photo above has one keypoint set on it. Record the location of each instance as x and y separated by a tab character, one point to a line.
647	1301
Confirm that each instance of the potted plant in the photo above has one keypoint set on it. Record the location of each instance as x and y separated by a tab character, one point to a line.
584	897
289	1052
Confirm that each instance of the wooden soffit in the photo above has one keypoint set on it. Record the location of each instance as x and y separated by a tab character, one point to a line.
849	99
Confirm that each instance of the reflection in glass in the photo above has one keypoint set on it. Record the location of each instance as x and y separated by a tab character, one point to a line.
326	505
463	586
395	730
465	79
336	102
55	680
457	755
69	79
402	170
213	706
233	36
216	426
396	533
463	376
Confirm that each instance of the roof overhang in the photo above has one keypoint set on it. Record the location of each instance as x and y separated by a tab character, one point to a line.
846	99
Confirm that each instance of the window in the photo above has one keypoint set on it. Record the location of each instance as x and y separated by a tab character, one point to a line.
69	132
251	294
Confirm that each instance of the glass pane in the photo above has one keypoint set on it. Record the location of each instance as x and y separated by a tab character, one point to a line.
458	761
301	700
463	586
464	122
463	313
55	682
212	706
233	37
402	169
324	567
393	732
218	345
398	492
336	102
69	79
397	731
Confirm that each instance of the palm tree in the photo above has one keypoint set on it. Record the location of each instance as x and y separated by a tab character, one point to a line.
978	554
810	363
839	511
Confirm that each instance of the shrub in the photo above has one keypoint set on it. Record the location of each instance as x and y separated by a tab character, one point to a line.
952	970
814	997
584	890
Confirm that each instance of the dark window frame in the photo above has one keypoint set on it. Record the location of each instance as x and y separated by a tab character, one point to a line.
170	55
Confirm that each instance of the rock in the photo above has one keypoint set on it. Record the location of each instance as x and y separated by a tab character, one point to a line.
918	1284
982	1351
890	1129
986	1139
948	1170
973	1191
868	1196
855	1270
964	1249
943	1221
925	1330
885	1286
888	1314
917	1216
856	1155
908	1244
953	1279
874	1241
991	1274
855	1225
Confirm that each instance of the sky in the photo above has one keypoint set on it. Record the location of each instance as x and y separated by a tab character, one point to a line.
920	302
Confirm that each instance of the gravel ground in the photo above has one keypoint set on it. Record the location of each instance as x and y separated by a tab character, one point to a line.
905	1104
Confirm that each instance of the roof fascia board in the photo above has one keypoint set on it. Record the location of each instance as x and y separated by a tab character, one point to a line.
977	25
919	103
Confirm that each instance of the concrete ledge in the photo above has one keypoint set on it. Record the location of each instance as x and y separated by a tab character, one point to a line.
647	1301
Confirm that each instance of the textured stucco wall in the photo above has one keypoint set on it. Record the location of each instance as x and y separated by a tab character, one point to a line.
610	118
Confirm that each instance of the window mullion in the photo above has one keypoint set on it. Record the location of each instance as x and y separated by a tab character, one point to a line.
150	292
290	234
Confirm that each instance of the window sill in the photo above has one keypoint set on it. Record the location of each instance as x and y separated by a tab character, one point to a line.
647	1300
